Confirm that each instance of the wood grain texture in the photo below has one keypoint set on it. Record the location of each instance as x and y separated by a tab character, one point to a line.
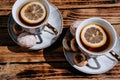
74	4
79	13
6	6
17	63
18	54
52	71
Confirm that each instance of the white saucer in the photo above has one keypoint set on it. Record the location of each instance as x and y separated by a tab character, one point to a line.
98	65
44	39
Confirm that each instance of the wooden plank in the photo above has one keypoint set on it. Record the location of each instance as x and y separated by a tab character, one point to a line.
30	70
48	71
69	16
75	4
50	64
18	54
110	14
6	6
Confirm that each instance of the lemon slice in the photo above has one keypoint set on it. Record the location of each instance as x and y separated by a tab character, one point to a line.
93	36
33	12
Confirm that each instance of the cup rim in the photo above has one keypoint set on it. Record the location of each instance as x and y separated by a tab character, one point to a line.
14	12
90	52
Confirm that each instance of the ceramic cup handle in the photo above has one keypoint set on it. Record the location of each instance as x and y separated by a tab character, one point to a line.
54	30
114	54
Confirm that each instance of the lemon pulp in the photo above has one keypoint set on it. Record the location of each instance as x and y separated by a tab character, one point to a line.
33	12
93	35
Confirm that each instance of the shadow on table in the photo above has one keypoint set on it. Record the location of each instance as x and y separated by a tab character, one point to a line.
5	39
54	56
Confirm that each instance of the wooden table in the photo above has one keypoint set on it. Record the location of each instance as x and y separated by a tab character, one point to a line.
17	63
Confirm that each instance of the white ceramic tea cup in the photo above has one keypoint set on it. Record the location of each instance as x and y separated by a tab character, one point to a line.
110	30
32	29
